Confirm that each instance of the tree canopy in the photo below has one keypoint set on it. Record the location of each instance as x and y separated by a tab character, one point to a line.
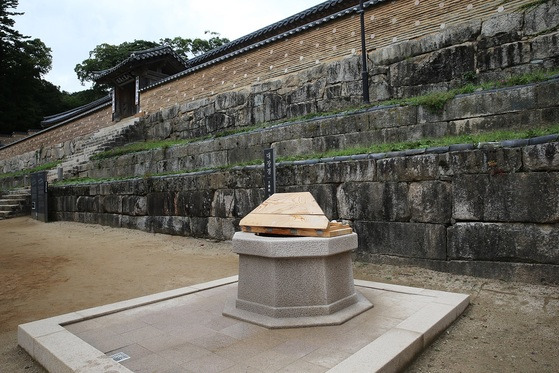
26	97
195	47
105	56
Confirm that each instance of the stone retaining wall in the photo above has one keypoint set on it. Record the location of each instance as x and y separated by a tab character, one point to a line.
491	211
518	107
54	143
417	47
293	57
475	51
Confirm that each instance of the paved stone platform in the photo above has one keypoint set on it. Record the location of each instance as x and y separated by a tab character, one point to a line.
183	330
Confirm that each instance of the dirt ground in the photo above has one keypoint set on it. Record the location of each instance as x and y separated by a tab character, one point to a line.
55	268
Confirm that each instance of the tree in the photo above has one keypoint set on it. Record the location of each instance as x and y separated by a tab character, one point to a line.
194	47
23	63
105	56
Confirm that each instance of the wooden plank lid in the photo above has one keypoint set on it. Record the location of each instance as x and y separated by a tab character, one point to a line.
295	214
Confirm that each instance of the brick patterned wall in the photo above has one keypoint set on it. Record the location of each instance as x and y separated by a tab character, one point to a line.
385	23
58	135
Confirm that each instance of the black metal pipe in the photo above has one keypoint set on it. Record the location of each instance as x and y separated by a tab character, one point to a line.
364	70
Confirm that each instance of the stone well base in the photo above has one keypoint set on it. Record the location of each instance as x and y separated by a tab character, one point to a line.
295	281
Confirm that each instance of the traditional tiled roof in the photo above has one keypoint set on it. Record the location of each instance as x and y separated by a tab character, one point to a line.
76	112
299	22
316	12
140	57
321	13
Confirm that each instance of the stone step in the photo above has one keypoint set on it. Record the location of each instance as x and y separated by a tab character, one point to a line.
21	190
16	202
8	207
104	139
14	197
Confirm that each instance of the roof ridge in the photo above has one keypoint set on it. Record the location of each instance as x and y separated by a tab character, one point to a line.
139	55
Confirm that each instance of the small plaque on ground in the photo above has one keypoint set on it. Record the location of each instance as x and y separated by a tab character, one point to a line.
120	356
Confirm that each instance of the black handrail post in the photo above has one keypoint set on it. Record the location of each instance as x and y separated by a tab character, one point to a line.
364	71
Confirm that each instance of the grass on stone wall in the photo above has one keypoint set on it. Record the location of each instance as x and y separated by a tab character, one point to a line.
43	167
140	147
89	180
487	137
433	101
165	144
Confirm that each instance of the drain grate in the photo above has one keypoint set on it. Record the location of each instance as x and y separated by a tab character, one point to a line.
120	356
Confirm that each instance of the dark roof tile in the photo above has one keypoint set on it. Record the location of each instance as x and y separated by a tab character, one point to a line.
158	51
76	112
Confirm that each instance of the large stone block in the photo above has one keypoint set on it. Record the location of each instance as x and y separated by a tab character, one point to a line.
111	204
439	66
481	161
518	197
247	200
87	204
416	168
505	121
174	225
345	70
542	18
325	143
327	172
374	201
222	228
338	125
545	46
293	147
431	201
399	116
411	240
268	107
453	35
299	109
160	130
232	99
194	203
213	159
134	205
505	23
392	53
199	227
69	203
111	220
503	56
529	243
547	93
246	178
223	204
544	157
491	102
243	154
162	204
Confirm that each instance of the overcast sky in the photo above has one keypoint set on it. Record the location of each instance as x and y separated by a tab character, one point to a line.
72	28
